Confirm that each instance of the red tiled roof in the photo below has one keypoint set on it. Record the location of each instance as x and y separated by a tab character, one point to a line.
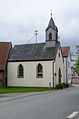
4	52
74	73
65	51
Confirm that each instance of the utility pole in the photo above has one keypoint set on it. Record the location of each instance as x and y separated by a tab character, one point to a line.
36	34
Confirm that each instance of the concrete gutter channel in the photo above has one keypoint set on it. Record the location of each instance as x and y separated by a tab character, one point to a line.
14	96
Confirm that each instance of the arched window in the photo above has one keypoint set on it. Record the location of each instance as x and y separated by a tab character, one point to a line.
20	71
50	36
39	70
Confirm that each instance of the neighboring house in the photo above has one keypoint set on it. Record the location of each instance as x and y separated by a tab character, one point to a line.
75	76
5	48
74	73
37	65
67	64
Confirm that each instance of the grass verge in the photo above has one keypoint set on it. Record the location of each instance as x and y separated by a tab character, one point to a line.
19	90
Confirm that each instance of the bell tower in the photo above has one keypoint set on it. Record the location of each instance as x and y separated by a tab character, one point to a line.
51	33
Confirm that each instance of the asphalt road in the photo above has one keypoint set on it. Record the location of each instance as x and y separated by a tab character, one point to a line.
51	105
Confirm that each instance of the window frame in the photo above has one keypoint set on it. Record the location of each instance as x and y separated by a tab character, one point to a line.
39	74
18	71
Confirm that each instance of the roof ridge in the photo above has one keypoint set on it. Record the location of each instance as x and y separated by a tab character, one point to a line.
65	46
5	42
30	44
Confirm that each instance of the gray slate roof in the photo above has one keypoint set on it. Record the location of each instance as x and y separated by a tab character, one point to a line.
51	23
31	52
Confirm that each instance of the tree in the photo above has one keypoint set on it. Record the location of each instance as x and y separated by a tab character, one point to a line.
76	66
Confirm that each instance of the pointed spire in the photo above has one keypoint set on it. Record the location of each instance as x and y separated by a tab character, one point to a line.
51	23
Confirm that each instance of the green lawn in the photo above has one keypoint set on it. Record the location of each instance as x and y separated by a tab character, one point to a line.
18	90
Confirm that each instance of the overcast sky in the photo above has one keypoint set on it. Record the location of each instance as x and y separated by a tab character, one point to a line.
20	18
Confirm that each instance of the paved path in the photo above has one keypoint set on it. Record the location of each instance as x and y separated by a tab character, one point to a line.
59	104
14	96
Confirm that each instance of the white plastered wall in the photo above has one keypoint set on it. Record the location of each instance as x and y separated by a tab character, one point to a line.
30	79
67	69
58	64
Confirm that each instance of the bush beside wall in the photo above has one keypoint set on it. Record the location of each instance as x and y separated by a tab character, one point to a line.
62	85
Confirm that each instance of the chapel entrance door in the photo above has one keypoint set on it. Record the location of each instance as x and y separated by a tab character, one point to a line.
59	75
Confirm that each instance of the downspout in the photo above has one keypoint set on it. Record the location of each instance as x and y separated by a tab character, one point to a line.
6	74
53	74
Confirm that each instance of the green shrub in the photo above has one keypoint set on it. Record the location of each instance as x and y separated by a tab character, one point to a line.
62	85
59	86
67	85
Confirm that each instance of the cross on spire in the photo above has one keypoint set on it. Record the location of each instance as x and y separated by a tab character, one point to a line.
51	12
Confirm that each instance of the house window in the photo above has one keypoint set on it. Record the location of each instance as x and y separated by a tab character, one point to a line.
39	71
50	36
20	71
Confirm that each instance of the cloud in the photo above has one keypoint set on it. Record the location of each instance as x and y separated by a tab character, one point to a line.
20	18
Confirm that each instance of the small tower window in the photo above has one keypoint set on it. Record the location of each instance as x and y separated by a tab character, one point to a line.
20	71
50	36
39	71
